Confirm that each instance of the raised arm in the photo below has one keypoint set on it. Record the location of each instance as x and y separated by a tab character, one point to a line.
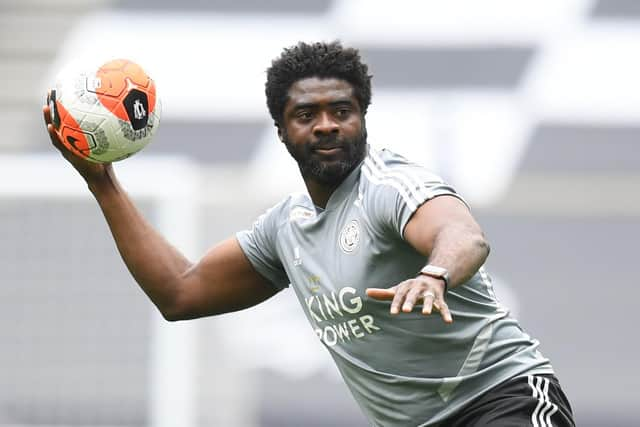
223	280
443	230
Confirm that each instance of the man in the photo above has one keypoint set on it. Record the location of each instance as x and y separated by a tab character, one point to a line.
376	246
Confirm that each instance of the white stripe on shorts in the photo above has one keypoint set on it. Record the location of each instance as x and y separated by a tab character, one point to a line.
541	416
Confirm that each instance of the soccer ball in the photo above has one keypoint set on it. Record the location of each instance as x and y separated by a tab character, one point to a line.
108	114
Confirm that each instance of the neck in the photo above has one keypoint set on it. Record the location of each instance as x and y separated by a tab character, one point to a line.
320	192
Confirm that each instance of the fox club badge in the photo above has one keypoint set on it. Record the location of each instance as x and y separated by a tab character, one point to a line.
350	237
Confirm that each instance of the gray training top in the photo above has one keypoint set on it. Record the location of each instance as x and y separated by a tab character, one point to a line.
403	370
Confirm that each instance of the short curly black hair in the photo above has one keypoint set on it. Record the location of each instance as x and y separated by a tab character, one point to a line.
320	59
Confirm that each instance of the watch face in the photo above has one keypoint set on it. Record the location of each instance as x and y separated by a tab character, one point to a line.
433	270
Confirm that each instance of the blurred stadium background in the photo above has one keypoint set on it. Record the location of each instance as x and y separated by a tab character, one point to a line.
530	108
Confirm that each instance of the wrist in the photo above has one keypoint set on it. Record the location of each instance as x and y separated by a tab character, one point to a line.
100	182
437	272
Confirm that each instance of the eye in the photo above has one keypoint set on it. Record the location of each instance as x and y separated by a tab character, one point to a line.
343	112
304	115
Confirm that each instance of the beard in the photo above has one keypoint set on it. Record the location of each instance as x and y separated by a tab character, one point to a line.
328	172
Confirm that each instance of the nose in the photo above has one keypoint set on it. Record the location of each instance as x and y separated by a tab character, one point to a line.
325	124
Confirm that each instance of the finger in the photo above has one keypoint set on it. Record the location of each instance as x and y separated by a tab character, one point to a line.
411	299
427	304
53	134
398	299
46	112
444	311
381	294
55	138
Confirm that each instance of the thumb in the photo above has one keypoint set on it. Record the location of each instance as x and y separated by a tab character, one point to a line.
381	294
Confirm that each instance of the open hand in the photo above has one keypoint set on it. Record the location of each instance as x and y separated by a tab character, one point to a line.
407	294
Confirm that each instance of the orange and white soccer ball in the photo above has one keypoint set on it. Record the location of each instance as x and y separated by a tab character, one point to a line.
108	114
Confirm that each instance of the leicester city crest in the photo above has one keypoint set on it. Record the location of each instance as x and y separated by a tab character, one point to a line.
350	236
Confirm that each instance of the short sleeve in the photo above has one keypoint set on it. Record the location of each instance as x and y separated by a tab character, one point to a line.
259	245
402	191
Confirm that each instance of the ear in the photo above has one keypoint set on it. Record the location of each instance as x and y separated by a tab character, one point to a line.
280	132
364	127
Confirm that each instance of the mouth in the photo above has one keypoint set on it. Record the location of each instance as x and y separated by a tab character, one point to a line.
328	146
328	150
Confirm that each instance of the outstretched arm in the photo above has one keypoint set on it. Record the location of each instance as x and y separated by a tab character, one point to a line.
443	230
223	280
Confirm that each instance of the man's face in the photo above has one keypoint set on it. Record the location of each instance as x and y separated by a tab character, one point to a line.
323	129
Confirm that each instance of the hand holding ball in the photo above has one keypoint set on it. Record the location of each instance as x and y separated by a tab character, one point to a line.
106	115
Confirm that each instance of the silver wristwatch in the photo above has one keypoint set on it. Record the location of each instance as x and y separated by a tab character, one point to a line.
438	273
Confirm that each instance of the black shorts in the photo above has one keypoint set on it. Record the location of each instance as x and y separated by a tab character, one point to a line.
534	400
